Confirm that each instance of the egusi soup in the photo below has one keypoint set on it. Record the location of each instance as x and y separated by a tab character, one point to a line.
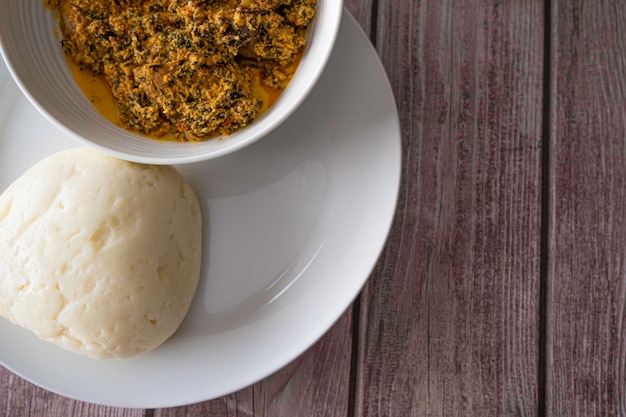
184	70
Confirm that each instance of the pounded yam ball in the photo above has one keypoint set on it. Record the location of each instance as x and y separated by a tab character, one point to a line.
97	255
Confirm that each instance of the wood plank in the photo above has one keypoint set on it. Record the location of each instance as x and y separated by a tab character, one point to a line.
19	398
317	383
587	256
450	321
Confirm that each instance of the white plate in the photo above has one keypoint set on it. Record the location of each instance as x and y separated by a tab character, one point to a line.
294	226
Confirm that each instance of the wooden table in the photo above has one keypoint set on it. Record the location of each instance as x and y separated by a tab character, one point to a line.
502	288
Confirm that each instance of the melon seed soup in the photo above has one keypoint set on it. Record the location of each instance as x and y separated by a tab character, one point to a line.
185	70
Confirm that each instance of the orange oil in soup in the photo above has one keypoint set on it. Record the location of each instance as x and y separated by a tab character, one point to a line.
98	93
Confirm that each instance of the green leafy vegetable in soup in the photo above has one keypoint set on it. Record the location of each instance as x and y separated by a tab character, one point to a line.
188	68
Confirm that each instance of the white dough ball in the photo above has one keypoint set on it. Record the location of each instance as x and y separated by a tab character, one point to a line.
97	255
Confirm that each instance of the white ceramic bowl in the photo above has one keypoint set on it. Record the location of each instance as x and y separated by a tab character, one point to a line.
30	46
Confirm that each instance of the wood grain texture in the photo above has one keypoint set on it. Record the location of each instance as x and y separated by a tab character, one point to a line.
587	286
449	322
19	398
